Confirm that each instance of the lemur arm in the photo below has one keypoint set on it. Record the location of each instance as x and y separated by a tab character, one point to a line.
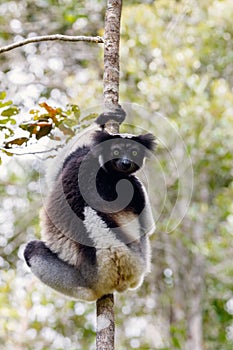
58	274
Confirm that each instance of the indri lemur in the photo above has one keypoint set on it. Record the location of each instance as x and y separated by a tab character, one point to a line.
96	219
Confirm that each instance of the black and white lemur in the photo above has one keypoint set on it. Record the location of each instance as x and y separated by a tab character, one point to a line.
96	219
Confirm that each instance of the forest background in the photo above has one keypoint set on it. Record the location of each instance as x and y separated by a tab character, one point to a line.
176	62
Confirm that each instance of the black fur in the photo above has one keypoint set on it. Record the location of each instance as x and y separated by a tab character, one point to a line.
106	181
147	140
69	260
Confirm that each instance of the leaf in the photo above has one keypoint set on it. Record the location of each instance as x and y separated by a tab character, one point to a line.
90	116
33	129
4	104
6	129
43	131
40	127
8	120
55	138
9	154
34	111
12	121
19	141
52	112
70	122
2	95
69	17
27	125
73	109
4	121
65	130
9	112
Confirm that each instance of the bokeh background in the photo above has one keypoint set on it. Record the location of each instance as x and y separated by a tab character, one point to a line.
177	64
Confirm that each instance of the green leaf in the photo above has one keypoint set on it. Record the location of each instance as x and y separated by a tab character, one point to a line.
4	121
70	122
26	125
90	116
73	109
9	112
9	154
8	120
4	104
12	121
2	95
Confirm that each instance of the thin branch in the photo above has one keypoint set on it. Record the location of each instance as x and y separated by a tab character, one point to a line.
53	37
27	153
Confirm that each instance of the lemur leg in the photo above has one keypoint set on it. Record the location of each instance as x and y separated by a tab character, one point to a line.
58	274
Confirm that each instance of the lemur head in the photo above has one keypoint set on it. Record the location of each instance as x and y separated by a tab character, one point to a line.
122	153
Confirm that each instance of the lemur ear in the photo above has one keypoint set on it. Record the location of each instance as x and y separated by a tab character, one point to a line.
147	140
98	141
101	136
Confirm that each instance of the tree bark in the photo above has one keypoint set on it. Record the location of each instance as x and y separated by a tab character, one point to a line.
105	305
111	57
105	323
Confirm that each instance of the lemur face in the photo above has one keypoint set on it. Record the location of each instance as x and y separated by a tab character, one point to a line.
123	154
126	156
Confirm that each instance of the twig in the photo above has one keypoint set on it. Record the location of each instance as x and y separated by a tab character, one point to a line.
53	37
27	153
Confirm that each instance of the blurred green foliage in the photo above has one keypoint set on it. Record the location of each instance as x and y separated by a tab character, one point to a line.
176	59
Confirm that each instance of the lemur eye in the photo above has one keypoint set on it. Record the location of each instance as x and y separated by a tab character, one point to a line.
116	152
134	153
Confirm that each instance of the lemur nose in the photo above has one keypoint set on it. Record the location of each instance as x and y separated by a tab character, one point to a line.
125	163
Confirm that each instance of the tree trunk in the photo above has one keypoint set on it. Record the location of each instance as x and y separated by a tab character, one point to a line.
105	305
105	323
111	54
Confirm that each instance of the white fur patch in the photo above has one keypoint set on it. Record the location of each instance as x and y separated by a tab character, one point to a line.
124	136
101	160
98	231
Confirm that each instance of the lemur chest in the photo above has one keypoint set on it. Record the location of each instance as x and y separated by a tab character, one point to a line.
111	229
